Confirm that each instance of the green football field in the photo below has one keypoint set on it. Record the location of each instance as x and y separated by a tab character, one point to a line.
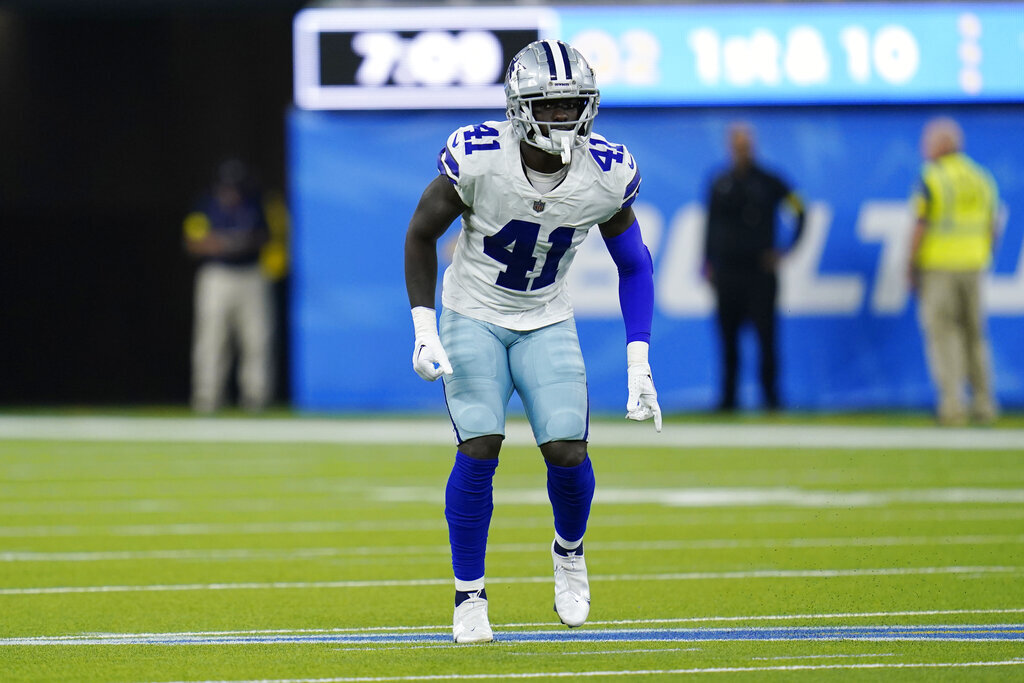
179	549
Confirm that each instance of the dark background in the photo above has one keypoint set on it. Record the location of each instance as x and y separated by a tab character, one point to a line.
112	119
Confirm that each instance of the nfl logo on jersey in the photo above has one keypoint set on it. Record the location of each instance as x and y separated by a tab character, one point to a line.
538	206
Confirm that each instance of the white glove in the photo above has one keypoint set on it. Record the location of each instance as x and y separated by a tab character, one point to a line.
428	357
643	398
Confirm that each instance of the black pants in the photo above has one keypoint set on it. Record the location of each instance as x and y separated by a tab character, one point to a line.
747	296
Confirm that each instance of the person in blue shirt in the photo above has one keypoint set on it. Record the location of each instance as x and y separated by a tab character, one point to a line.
233	304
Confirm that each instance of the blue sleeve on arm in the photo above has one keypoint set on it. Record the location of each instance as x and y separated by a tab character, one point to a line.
636	282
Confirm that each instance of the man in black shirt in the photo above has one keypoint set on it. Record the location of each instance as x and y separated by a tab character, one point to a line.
742	260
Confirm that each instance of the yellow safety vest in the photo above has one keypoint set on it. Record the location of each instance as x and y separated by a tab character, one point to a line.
957	200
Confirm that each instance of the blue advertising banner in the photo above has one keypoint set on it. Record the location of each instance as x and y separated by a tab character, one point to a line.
849	337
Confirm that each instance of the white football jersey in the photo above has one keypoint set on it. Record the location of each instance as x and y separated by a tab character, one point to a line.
516	243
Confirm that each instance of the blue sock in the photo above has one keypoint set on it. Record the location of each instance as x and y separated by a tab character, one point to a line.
570	490
468	507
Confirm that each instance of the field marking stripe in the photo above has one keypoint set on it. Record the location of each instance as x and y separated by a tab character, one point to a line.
407	551
400	583
640	672
212	529
399	431
726	496
699	518
953	633
617	622
708	497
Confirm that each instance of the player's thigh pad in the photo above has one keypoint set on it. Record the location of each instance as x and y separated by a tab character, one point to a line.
548	372
480	386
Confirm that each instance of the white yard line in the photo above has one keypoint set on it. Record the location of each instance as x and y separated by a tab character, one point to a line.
406	583
438	431
250	554
717	497
699	518
231	529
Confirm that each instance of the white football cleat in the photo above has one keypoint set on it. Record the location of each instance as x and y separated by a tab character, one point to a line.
572	588
470	624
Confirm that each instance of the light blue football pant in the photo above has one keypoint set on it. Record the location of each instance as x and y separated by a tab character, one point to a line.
544	366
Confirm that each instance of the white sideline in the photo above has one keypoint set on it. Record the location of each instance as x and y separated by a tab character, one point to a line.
251	554
438	431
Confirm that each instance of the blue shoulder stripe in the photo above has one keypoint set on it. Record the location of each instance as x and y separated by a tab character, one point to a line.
447	165
632	190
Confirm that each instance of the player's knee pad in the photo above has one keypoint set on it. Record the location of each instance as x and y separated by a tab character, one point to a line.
475	420
566	425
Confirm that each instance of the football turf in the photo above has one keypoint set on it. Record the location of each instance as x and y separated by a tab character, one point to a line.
200	550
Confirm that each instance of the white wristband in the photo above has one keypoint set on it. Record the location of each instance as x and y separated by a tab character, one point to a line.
424	322
636	353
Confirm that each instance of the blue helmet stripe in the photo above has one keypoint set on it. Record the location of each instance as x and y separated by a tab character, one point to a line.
551	60
565	60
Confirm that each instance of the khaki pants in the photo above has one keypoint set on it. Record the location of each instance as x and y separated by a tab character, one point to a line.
955	340
233	306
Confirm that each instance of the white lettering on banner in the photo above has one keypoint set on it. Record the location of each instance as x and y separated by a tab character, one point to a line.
681	291
888	222
593	280
802	289
680	287
891	223
1004	294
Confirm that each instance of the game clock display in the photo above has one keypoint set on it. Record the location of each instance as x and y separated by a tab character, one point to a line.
409	59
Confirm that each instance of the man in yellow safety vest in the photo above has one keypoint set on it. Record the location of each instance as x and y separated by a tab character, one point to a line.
956	206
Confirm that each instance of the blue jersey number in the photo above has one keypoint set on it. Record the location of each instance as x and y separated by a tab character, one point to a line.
514	246
479	133
605	153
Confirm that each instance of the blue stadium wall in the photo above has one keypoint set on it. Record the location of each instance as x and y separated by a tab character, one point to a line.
848	334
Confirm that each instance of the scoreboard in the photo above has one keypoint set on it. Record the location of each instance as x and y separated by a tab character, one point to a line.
680	55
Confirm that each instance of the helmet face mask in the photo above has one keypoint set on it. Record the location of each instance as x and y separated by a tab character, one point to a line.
543	72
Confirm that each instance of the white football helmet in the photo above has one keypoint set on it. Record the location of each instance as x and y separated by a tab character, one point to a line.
544	70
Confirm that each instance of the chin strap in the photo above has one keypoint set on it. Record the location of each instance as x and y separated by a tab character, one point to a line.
561	144
566	150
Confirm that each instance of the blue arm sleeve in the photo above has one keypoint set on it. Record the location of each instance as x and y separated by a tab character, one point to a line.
636	282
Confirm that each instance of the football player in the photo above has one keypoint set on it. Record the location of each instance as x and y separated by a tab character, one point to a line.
528	189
